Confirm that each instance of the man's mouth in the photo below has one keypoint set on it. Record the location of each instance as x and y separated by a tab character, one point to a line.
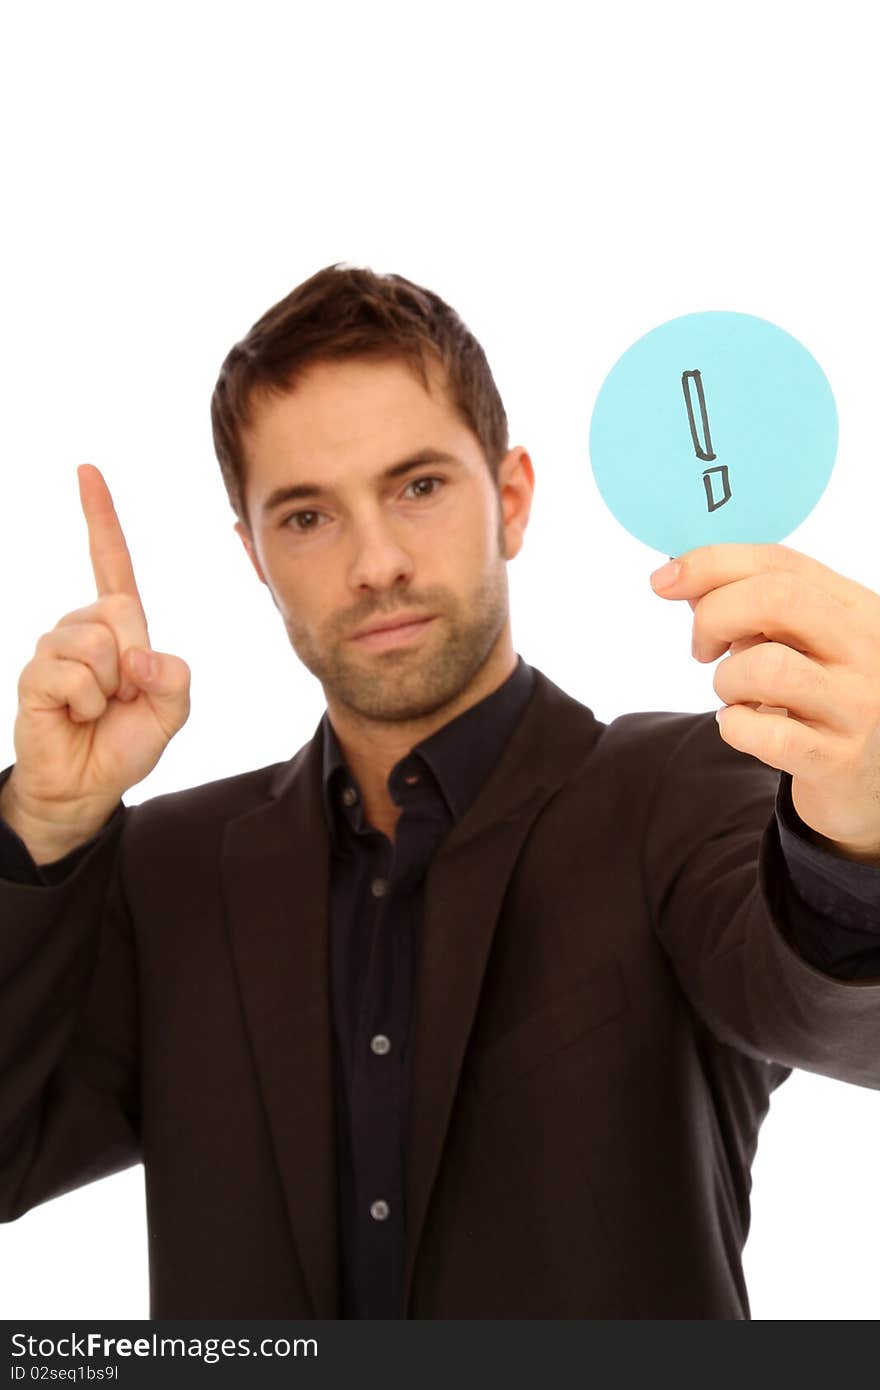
393	632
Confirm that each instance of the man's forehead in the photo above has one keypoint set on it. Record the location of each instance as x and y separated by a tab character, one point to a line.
332	402
357	415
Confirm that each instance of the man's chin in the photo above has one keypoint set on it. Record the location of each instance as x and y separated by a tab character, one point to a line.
414	681
391	699
397	686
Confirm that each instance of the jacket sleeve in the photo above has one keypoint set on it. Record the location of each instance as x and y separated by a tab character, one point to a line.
725	910
69	1091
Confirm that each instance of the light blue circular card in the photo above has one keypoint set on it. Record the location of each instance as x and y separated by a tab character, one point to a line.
713	427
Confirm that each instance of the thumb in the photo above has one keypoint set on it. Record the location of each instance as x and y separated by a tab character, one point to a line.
164	679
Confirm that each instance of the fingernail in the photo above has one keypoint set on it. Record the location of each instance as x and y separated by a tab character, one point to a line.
666	574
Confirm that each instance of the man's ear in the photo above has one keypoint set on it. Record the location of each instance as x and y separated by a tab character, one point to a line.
248	544
516	484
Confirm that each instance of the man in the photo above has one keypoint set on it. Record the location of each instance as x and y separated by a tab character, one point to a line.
474	1007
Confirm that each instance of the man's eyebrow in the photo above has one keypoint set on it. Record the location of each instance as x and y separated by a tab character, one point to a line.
307	491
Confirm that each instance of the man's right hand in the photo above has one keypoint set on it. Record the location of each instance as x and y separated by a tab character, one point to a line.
91	723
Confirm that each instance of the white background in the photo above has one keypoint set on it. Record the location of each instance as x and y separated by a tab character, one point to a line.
568	177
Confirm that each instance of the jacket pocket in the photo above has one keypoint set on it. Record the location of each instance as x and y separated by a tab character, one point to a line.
557	1025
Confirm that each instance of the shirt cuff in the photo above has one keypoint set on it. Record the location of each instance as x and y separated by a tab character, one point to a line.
17	865
842	890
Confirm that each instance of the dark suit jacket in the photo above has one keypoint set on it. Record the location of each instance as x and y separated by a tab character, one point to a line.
607	998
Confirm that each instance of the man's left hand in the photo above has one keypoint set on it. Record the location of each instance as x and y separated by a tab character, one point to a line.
801	684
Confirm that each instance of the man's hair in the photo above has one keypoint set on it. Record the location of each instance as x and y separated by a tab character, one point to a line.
342	312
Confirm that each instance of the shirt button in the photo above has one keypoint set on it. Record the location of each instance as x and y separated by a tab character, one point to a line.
380	1044
349	796
379	1210
379	887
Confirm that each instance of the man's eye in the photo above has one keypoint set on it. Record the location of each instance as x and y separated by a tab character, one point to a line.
419	483
303	521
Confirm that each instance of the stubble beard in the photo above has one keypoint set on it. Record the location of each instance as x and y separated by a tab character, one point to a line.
406	683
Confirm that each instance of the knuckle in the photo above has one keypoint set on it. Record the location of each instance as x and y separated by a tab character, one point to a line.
814	752
24	679
77	616
700	632
119	607
768	661
97	641
74	616
781	591
80	678
776	556
783	742
807	678
864	702
33	672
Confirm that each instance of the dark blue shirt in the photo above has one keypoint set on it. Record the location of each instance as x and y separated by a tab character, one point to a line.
375	929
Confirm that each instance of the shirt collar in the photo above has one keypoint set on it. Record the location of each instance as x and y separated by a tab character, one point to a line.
460	754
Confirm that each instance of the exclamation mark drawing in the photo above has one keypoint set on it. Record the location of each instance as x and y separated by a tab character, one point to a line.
702	439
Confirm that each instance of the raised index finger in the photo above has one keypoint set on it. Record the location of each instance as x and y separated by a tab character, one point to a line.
111	561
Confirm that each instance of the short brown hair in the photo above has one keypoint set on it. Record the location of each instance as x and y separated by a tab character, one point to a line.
347	311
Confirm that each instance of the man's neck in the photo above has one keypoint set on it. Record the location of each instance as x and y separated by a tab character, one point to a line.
371	748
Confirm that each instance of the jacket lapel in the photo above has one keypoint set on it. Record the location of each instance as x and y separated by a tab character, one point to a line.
275	880
464	890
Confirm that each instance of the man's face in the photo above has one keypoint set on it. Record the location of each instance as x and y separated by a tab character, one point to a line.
358	545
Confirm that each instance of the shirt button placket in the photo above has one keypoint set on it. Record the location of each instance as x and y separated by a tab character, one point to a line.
380	1045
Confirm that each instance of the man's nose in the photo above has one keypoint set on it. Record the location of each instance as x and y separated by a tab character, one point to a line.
379	560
